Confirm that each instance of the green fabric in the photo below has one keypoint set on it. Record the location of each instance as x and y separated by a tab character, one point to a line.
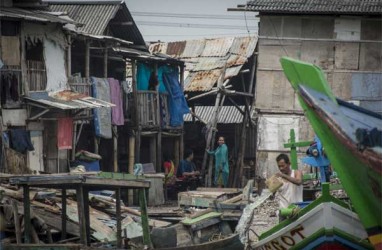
221	163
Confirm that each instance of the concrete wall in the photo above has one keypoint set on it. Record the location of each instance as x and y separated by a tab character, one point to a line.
348	49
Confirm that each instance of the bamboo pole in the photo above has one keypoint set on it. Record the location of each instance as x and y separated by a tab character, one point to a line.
115	148
212	123
69	56
144	219
240	159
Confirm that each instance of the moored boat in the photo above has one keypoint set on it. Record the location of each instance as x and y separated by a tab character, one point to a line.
352	139
326	223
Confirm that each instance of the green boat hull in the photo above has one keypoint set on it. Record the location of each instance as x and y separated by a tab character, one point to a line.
359	172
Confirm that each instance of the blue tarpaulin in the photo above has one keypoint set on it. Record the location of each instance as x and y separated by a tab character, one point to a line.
177	103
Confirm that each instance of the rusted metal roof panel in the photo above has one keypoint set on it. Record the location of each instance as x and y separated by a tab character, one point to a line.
233	71
158	48
217	47
244	46
235	60
316	6
227	115
194	48
205	59
175	49
201	80
209	63
66	100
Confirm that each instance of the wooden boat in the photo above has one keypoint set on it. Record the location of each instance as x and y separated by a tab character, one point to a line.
231	242
326	223
208	231
352	140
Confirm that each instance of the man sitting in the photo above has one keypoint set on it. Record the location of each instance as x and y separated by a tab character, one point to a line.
187	171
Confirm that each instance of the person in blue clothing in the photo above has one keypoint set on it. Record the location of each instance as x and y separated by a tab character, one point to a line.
187	168
221	163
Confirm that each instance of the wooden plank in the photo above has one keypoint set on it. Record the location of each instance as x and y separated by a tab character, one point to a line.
27	215
16	221
43	246
225	190
152	222
189	221
200	213
234	199
101	231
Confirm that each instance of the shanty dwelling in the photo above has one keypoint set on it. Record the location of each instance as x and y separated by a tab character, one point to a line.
219	84
344	38
37	106
103	47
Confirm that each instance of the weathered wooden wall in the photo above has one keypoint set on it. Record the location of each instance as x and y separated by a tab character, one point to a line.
348	49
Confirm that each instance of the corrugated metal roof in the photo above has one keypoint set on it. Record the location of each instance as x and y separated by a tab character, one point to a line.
201	80
194	48
32	15
316	6
205	59
97	16
228	114
217	47
94	17
66	100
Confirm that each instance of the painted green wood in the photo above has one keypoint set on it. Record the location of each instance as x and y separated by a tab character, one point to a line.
332	232
189	221
119	176
144	218
361	183
292	144
325	197
43	246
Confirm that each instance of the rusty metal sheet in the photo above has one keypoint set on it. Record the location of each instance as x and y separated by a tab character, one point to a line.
201	80
244	46
194	48
210	63
158	48
217	47
233	71
175	49
235	60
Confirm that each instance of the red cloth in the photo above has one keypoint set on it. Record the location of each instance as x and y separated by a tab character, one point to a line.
65	133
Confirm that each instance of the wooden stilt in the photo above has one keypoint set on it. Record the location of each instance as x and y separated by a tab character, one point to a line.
144	218
240	159
81	215
63	214
115	148
16	219
212	124
118	217
27	214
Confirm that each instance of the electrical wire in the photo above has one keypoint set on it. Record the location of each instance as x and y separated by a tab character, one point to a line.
193	25
191	16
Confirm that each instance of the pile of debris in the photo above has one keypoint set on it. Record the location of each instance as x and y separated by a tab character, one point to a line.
46	217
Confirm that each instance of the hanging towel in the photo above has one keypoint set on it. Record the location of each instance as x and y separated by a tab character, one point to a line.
102	116
65	133
117	117
21	140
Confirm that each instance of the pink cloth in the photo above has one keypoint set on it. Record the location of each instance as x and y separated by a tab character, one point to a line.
117	117
65	133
